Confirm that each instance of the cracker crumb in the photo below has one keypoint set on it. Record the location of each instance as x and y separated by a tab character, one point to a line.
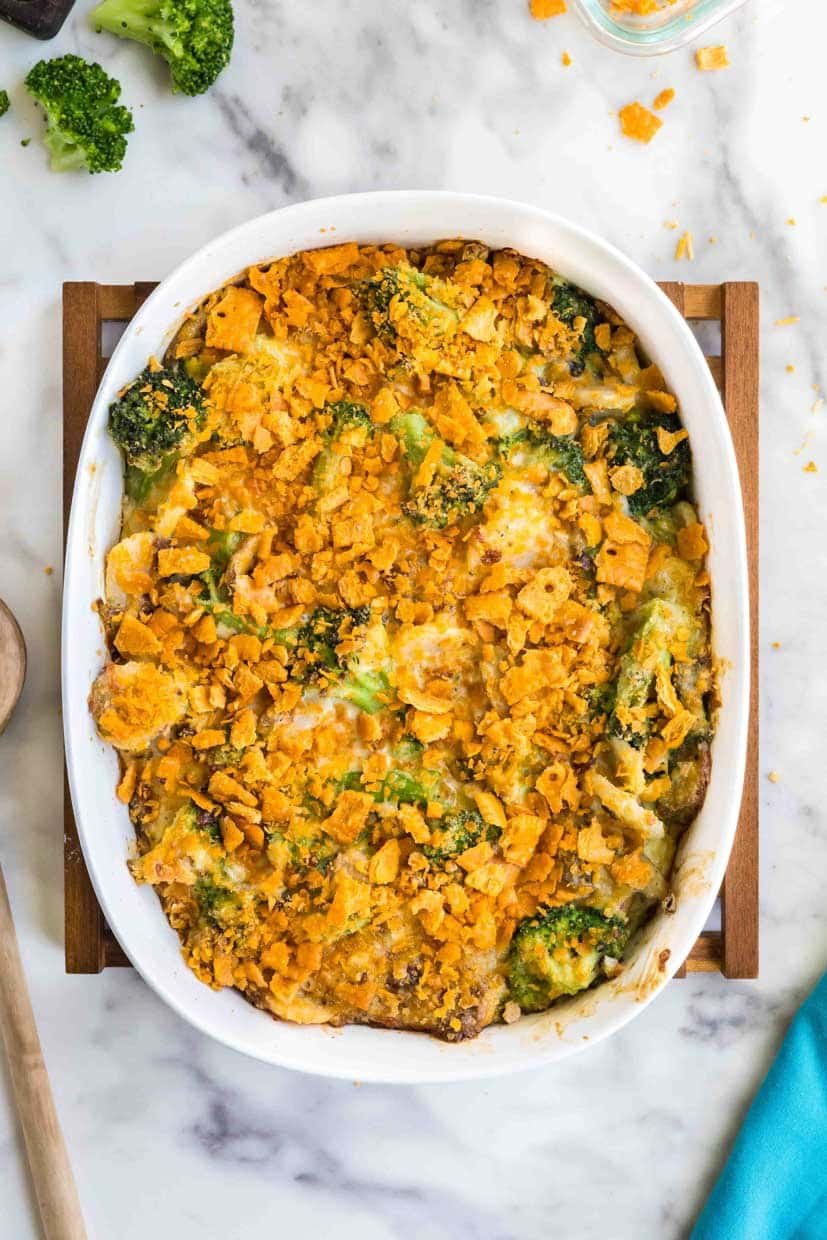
816	405
670	223
511	1013
566	59
685	248
788	321
664	99
542	10
776	645
638	122
48	570
790	368
791	220
811	468
773	777
712	57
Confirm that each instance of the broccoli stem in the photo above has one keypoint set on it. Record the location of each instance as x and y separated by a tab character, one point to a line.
369	691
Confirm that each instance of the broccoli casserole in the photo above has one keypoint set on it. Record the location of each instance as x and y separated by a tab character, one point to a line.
408	624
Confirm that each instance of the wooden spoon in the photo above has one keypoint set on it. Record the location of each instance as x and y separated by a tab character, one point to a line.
51	1170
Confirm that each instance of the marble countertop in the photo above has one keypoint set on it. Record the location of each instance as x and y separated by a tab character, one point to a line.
169	1133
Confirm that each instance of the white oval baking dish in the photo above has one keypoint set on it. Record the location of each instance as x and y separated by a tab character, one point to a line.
134	913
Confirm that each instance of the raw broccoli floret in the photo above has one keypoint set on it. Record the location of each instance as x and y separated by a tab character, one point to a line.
5	102
195	37
656	624
403	302
459	487
86	127
666	479
559	453
560	952
457	832
154	420
577	310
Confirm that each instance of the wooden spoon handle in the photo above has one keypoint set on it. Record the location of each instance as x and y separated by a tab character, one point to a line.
51	1171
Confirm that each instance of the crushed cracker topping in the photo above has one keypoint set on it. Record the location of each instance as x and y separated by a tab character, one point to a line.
542	10
638	122
410	646
712	57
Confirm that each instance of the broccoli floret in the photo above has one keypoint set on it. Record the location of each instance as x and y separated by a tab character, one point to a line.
459	487
214	901
367	689
86	127
314	658
5	102
312	645
560	952
345	416
195	37
601	699
561	454
577	310
405	783
209	824
403	303
655	627
154	420
666	479
415	432
306	852
457	832
224	755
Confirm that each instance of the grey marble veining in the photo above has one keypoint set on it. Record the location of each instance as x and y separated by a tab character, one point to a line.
172	1135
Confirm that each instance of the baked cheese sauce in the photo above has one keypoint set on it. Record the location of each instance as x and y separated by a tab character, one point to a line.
408	637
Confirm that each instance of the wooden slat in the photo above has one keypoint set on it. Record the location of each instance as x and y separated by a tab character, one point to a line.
117	302
702	301
81	350
740	352
706	955
676	293
114	955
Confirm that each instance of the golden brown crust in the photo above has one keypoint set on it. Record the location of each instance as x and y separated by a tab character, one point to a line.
348	825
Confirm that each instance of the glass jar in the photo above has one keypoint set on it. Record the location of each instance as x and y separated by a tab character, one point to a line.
669	25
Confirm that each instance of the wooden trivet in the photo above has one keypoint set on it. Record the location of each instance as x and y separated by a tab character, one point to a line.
90	944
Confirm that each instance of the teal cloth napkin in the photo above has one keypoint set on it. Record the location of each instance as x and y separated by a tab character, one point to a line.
774	1186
